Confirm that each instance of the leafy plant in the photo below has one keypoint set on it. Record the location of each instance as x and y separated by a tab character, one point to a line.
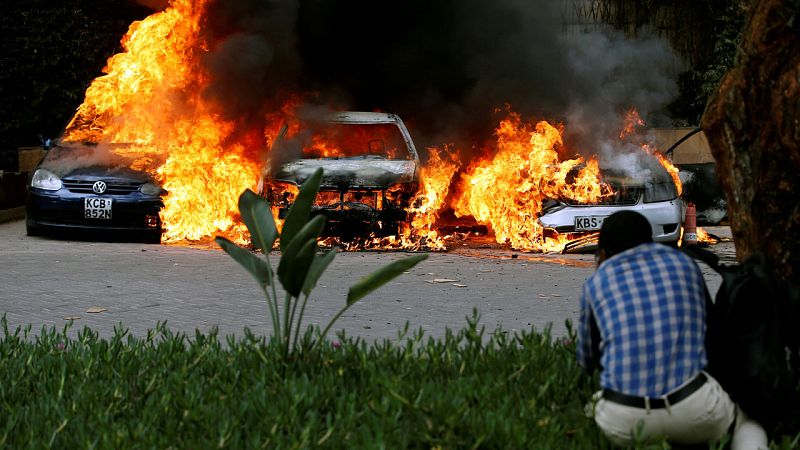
300	266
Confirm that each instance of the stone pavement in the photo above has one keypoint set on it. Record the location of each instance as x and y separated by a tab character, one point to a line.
47	281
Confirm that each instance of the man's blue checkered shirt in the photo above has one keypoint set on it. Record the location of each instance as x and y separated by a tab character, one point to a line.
649	306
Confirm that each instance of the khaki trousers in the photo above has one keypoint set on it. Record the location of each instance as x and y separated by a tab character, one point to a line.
704	416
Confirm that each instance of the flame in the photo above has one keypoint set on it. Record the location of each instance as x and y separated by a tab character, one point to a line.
323	148
435	180
506	192
704	237
148	104
149	108
631	122
673	171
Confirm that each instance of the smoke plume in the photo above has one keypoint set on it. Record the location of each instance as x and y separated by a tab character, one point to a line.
445	66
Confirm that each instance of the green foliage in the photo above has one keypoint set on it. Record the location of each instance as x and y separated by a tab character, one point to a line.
49	53
727	20
469	389
300	266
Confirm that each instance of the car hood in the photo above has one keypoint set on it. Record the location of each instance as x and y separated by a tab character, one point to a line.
349	173
107	174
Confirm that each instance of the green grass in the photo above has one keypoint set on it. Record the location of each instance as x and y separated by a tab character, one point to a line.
469	389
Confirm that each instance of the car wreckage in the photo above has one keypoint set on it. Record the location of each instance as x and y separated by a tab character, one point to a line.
370	173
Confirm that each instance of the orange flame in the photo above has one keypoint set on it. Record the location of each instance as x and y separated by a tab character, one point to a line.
631	123
149	106
149	102
507	191
672	170
435	180
704	237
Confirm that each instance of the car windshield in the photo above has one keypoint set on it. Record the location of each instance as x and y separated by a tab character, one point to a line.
344	140
658	187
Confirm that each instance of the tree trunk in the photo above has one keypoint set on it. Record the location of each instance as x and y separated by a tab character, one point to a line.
753	126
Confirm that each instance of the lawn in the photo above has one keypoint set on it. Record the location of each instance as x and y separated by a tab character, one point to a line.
471	389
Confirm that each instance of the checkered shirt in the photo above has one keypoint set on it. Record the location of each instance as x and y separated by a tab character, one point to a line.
649	306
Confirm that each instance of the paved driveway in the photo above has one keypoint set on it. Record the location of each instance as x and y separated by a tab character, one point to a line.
46	281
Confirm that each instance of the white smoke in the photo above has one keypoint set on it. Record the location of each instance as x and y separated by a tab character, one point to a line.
66	158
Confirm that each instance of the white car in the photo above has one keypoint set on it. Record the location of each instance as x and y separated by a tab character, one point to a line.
655	198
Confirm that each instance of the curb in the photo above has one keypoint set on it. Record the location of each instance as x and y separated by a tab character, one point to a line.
7	215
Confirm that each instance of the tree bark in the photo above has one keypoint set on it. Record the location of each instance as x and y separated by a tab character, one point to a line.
753	126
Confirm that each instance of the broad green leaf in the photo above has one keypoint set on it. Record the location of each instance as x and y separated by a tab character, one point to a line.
298	267
300	209
257	216
380	277
257	267
312	228
318	266
310	231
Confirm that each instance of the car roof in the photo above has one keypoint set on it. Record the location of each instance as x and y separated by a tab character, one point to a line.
361	117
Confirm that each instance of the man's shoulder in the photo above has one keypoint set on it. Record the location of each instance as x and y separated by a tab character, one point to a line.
666	252
645	257
653	250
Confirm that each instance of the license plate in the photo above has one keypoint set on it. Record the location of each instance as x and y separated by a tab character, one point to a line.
96	208
589	223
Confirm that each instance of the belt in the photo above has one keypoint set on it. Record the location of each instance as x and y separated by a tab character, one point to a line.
656	402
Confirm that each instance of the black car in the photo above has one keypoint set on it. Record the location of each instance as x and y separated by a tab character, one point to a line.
79	189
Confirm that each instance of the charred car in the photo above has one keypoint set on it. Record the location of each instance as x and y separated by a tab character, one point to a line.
74	190
655	197
370	173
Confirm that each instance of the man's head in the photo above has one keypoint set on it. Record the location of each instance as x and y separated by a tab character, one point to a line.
622	231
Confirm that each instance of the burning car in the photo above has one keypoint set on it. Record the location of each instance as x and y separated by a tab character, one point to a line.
655	197
370	175
71	190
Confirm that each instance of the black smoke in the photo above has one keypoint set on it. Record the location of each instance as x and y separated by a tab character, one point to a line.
445	67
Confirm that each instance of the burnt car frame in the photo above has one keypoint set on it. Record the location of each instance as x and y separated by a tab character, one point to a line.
369	178
73	191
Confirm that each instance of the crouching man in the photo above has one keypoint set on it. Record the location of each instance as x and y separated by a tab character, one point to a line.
642	323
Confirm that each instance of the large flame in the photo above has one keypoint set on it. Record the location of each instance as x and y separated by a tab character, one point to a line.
435	180
149	106
506	192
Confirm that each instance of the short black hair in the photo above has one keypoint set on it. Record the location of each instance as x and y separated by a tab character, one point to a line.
624	230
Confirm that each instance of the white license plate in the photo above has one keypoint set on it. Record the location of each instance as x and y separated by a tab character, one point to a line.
589	223
96	208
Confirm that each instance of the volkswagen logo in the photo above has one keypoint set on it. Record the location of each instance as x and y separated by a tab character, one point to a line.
99	187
